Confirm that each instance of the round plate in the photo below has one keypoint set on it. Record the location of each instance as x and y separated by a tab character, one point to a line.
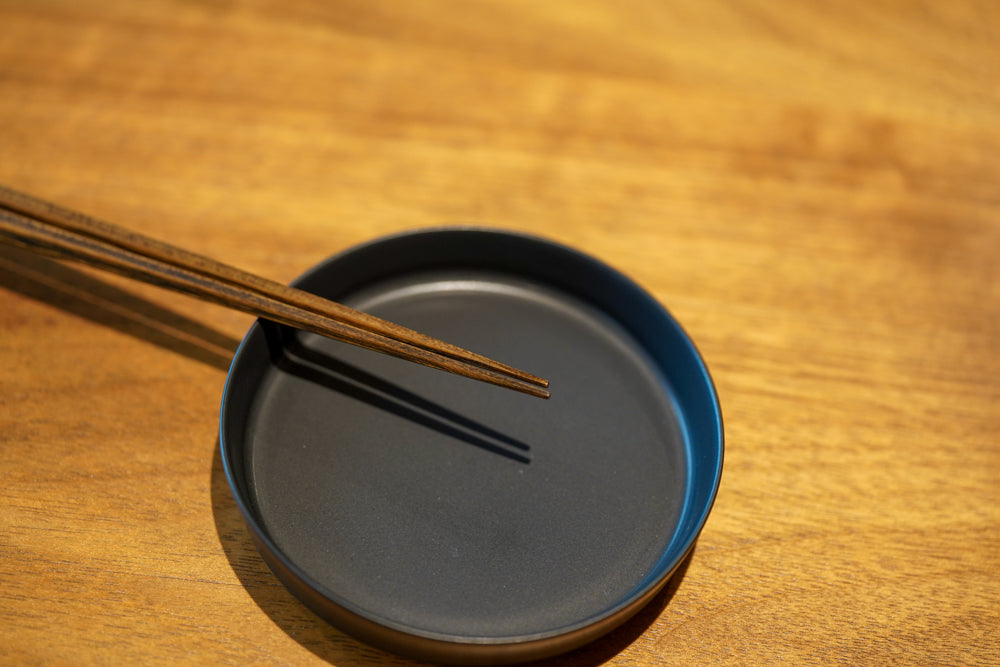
455	521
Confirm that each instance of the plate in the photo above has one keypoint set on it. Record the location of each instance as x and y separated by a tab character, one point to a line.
454	521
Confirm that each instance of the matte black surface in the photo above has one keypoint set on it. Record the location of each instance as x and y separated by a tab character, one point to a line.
405	503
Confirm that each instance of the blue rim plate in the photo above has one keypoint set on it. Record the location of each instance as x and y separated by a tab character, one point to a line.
448	520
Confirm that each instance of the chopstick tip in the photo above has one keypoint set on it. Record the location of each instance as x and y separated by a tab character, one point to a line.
539	392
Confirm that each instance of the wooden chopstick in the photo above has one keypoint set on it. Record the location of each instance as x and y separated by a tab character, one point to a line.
41	226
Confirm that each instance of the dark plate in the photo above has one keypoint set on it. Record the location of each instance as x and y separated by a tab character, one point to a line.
450	520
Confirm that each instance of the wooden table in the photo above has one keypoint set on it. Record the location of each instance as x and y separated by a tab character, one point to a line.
813	192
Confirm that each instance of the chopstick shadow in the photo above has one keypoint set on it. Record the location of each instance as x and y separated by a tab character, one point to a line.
295	358
73	291
335	647
81	294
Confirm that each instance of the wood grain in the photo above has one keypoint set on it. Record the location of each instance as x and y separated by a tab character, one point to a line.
813	191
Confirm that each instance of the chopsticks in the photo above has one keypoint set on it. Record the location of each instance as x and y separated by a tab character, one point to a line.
44	227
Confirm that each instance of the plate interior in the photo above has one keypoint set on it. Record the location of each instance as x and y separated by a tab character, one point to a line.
451	508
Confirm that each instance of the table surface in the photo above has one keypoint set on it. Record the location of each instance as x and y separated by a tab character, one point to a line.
813	192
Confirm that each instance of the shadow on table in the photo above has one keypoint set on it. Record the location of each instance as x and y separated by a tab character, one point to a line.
83	295
328	643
